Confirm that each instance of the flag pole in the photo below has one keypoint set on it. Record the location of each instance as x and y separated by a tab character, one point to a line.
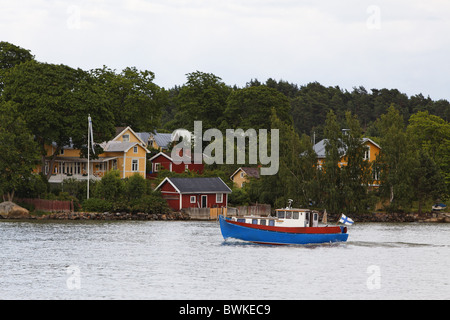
88	164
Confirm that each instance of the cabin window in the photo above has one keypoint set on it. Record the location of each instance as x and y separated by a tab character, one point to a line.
193	199
254	221
126	138
272	223
288	214
315	217
280	214
295	215
262	222
241	220
135	165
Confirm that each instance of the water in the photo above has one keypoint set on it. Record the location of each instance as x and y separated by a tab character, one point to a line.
190	260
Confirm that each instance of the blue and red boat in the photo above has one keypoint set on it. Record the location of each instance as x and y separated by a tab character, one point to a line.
289	226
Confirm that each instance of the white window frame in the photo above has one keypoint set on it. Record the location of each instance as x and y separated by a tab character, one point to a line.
157	167
219	197
134	165
194	198
126	138
135	149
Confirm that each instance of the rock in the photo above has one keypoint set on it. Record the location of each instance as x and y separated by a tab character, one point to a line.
10	210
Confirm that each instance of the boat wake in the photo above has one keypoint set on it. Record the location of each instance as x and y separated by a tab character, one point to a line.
391	244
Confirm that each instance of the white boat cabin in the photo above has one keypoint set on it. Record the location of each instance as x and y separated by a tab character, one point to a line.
293	218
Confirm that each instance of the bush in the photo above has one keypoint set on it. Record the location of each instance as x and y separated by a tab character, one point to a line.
97	205
150	204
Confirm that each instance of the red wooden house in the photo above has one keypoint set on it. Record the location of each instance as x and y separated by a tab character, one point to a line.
162	161
183	193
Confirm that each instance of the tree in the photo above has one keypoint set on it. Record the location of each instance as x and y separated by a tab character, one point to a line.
202	98
10	56
397	157
252	108
55	101
356	173
332	177
18	150
427	180
432	136
132	96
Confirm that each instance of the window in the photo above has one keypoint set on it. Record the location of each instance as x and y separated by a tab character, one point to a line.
280	214
126	138
295	214
254	221
242	174
193	199
262	222
135	149
219	197
272	223
135	165
61	152
367	153
288	214
157	167
241	220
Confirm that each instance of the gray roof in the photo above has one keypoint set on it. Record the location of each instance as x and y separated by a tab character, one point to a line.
198	185
116	146
319	148
162	139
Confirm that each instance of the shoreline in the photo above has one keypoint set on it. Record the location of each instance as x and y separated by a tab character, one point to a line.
376	217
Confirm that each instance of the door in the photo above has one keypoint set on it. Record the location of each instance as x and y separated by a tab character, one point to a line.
204	201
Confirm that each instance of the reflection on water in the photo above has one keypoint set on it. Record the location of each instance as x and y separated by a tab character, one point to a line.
190	260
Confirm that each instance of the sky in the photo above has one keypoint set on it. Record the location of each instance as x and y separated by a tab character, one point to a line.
402	44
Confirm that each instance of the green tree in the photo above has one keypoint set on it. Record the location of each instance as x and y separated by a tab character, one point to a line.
55	101
18	150
432	135
397	157
252	108
428	182
10	56
356	174
111	187
332	175
202	98
132	97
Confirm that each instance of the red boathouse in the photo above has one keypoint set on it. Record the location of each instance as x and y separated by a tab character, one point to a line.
183	193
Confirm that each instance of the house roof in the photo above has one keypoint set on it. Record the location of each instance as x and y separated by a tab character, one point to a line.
197	185
131	130
162	139
119	146
319	148
250	172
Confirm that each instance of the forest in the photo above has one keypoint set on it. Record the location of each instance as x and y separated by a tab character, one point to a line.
43	103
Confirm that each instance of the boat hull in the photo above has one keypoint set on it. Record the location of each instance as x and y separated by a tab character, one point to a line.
255	234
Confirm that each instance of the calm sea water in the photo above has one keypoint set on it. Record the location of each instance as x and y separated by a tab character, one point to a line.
190	260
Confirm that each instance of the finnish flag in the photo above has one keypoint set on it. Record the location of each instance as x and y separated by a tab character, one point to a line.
346	220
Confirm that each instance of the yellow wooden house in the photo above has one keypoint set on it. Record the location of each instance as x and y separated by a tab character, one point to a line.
241	176
125	153
370	155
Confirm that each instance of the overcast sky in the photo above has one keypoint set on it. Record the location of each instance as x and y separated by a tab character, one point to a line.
403	44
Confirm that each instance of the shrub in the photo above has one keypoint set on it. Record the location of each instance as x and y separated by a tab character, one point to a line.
97	205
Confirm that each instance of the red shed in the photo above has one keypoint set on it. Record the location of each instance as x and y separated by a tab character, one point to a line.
162	161
194	192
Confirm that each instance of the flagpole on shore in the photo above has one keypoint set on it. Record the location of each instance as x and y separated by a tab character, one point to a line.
88	147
